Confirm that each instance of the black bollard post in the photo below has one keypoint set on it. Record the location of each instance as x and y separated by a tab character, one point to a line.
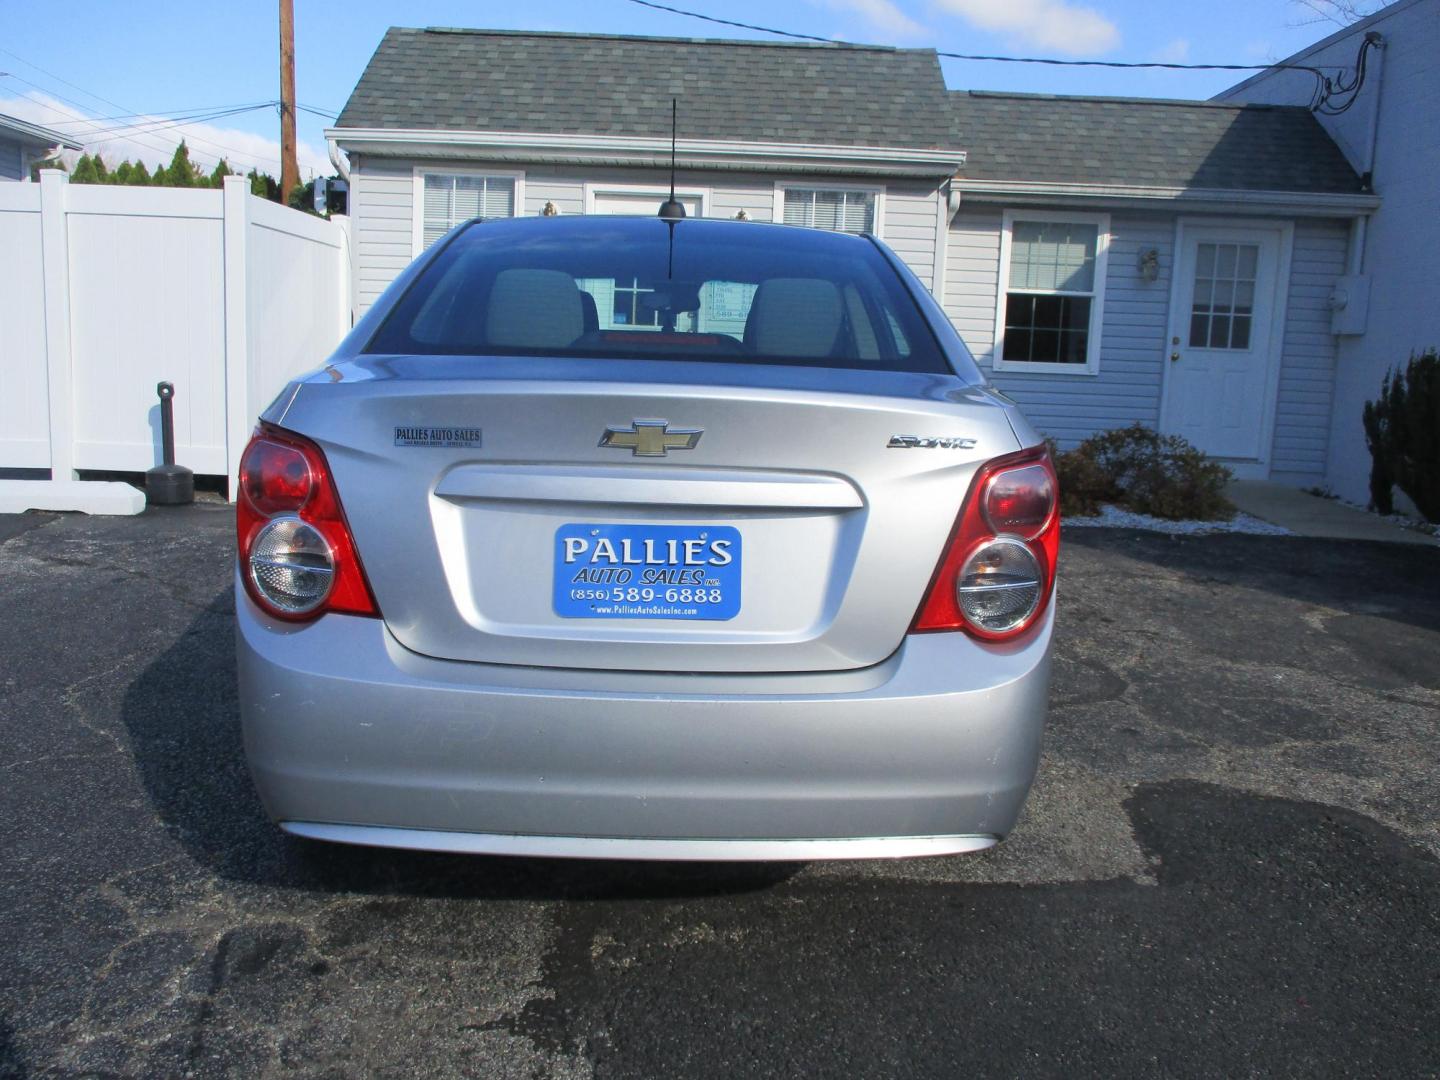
168	484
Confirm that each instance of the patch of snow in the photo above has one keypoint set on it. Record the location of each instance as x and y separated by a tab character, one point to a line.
1414	524
1113	517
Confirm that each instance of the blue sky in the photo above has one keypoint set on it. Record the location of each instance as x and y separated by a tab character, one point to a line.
68	61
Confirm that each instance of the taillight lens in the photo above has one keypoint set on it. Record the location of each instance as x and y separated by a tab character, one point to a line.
297	557
275	477
1019	501
998	570
291	566
1000	585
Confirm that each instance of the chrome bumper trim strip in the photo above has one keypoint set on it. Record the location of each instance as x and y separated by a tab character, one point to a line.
678	850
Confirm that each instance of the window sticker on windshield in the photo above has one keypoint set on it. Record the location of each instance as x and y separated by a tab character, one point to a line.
729	301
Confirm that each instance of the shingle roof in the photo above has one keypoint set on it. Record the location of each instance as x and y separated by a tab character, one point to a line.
1146	142
550	83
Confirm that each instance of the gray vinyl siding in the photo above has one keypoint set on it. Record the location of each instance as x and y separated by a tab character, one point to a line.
11	165
1307	366
1134	323
542	186
1068	408
382	209
910	228
757	200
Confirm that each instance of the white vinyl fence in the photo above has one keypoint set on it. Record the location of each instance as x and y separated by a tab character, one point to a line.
107	291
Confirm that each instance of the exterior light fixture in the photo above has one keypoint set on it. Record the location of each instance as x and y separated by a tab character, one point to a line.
550	210
741	215
1150	264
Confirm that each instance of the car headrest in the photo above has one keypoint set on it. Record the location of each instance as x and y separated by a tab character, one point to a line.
590	312
794	317
534	309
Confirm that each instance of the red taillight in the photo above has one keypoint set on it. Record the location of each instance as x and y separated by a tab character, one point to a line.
275	476
1019	501
997	573
297	557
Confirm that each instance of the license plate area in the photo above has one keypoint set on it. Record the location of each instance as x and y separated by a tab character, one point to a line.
683	572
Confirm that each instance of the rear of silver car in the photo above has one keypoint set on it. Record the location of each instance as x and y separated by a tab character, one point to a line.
652	606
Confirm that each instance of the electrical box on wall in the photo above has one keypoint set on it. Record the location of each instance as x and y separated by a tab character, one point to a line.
1350	304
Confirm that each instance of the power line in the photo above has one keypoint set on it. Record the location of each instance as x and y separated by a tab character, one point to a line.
166	125
157	114
98	129
1319	73
242	155
69	101
156	122
1326	104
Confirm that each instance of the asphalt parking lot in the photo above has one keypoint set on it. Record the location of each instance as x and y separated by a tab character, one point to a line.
1228	866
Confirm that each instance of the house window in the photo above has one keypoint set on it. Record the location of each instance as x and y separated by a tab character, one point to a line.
450	198
1223	307
838	211
627	309
1052	270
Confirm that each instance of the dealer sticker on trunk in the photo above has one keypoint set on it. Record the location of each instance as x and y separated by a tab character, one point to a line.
647	571
467	438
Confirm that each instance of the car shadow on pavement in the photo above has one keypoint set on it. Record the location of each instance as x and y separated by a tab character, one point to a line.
1279	937
1398	582
183	719
1371	608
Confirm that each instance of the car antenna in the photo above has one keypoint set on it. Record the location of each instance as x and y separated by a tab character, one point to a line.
672	210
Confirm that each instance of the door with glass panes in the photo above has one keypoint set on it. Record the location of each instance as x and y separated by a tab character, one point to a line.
1219	350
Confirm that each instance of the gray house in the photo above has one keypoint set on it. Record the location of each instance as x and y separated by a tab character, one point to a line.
23	143
1386	305
1107	261
1165	262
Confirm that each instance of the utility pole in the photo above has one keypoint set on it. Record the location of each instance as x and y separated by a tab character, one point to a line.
289	168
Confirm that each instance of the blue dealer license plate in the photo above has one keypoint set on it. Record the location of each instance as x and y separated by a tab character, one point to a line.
647	571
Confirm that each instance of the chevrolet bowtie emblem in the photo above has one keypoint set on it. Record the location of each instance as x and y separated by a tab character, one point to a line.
651	438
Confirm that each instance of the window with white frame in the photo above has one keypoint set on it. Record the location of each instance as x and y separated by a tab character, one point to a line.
839	211
450	198
1052	277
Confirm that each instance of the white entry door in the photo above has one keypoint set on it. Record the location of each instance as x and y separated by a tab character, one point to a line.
1222	351
642	202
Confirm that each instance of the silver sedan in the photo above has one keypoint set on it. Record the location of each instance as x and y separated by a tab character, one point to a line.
633	538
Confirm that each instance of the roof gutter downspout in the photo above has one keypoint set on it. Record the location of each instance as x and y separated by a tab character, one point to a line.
1360	227
342	165
1355	260
953	199
1369	173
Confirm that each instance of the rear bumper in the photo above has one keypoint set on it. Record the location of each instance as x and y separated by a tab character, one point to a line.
605	847
352	737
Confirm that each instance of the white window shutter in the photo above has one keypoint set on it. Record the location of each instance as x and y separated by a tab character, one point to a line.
439	191
799	207
451	199
838	211
499	198
857	213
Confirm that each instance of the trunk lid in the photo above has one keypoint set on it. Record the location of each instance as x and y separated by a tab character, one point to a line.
829	533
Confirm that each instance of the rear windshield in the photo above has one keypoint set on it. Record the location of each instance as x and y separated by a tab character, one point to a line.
641	289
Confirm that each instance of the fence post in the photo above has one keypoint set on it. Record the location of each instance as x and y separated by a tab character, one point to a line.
237	349
347	272
60	376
